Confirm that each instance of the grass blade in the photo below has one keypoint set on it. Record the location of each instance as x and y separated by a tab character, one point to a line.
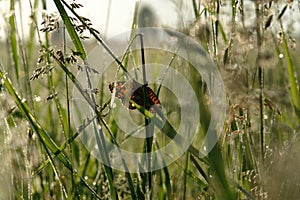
291	72
75	39
43	135
13	40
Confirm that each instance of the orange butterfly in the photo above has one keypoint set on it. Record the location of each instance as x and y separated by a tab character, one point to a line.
132	90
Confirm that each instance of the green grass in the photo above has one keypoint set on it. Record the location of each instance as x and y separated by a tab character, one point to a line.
256	157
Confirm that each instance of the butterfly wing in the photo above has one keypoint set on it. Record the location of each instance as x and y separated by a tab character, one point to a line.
135	91
151	98
125	91
152	101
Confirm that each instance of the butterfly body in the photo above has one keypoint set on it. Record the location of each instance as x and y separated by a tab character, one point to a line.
132	90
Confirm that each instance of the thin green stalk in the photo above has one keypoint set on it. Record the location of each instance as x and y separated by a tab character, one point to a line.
215	28
219	180
260	77
60	111
67	127
149	138
32	31
168	182
232	33
185	174
135	15
64	194
28	55
195	9
99	135
200	170
291	72
221	29
13	41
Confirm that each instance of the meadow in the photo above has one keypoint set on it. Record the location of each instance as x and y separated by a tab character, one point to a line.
58	133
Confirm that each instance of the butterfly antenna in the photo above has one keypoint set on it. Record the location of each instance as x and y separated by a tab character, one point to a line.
117	73
126	53
165	72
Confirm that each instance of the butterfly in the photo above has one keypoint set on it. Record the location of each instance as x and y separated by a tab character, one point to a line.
132	90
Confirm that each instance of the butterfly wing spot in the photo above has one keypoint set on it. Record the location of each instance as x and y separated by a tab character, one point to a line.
135	91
